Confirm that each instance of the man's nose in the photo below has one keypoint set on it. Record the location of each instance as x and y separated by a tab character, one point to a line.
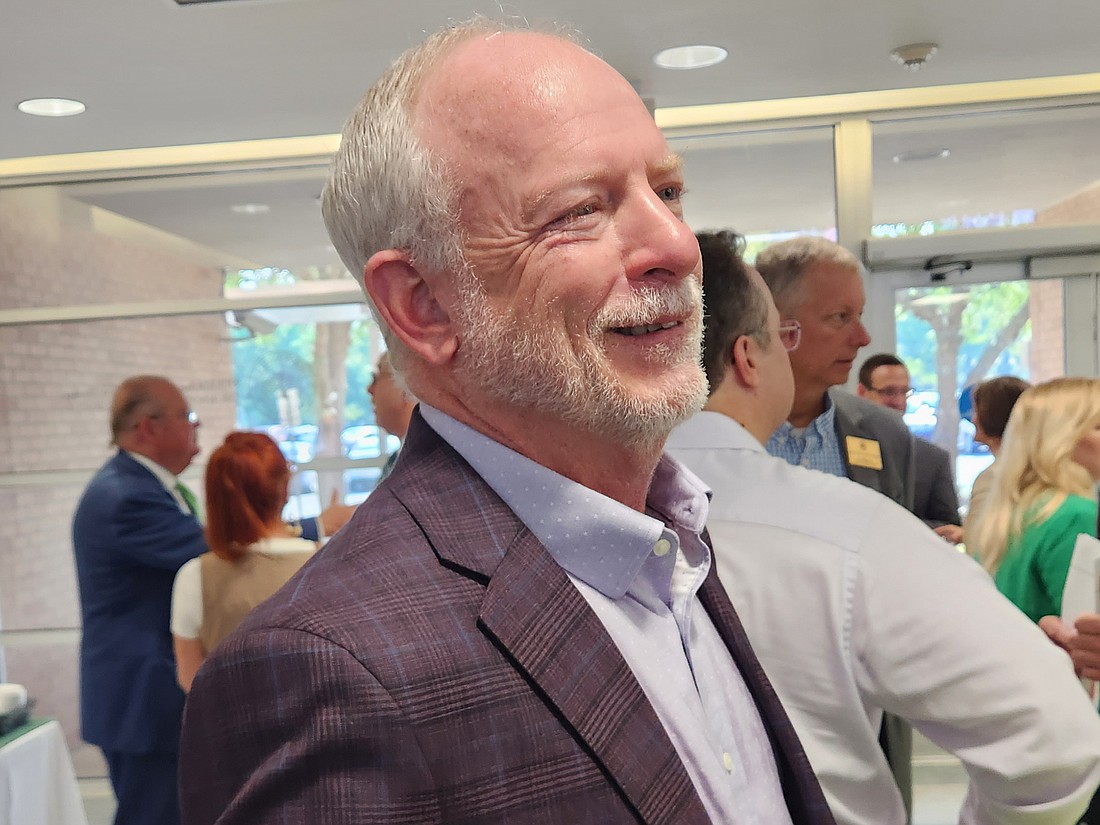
656	241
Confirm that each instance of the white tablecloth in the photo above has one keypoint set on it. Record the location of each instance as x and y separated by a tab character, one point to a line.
37	783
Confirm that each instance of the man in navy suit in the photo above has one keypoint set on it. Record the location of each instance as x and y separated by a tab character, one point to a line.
134	527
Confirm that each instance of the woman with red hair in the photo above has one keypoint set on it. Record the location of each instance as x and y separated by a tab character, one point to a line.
252	551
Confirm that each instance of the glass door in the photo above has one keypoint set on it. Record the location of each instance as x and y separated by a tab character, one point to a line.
1033	318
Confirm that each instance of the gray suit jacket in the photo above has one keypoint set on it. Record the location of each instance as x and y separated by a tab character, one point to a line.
433	664
858	417
935	500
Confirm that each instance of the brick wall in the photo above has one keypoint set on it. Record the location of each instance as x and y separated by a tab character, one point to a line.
1047	305
55	386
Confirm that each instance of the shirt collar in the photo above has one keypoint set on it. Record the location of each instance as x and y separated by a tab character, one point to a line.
824	425
598	540
164	476
711	430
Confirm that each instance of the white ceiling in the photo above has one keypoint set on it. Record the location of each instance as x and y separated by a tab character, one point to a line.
153	73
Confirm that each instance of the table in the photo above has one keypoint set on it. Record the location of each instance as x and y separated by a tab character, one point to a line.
37	783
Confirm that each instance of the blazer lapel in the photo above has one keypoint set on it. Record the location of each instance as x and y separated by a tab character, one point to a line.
845	426
543	624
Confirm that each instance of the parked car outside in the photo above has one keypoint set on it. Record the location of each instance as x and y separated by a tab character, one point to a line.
364	441
920	418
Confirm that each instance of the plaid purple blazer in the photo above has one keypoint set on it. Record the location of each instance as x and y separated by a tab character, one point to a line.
433	664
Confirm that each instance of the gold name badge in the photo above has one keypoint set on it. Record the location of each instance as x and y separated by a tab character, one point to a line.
864	452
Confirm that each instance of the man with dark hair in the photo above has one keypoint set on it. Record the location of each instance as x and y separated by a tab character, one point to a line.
869	588
522	623
884	380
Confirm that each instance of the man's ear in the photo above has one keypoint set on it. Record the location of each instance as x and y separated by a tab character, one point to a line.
744	361
409	305
861	390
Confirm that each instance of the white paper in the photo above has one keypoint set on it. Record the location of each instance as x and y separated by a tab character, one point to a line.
1082	590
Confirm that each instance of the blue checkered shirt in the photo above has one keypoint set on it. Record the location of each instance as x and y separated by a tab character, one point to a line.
816	447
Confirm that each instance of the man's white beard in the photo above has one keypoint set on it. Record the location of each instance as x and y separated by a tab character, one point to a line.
523	365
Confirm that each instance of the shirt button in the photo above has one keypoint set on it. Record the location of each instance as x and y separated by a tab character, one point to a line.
662	547
727	762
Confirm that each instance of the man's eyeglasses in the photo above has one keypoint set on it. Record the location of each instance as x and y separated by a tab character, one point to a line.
892	392
191	416
790	334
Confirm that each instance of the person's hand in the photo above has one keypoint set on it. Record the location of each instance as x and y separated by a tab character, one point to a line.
1082	641
951	533
336	515
1084	647
1057	631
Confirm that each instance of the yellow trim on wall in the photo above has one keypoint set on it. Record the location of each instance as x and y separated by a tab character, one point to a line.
890	100
275	152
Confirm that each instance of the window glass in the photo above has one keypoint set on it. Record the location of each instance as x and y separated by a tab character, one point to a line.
766	185
953	337
981	171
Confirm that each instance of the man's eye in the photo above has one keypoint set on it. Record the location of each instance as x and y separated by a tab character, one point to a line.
671	193
574	215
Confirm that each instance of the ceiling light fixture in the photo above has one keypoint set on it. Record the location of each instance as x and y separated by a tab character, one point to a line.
250	208
914	55
690	57
914	155
51	107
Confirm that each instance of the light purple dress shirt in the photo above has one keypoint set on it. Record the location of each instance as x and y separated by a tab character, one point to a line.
640	574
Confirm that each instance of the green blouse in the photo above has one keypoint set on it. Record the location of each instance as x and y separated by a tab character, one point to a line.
1033	573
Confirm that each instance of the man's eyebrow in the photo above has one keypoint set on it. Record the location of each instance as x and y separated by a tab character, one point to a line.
671	163
533	205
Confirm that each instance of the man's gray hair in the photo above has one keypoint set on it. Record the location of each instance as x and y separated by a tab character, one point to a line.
135	398
783	264
385	190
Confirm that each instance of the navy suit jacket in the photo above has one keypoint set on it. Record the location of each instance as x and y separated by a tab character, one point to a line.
434	664
130	538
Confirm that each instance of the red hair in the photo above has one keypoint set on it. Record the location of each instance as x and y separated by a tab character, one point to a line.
246	484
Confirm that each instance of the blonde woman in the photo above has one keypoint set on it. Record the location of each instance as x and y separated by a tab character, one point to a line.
1042	493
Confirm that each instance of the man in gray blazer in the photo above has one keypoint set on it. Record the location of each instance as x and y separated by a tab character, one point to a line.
819	284
884	379
522	624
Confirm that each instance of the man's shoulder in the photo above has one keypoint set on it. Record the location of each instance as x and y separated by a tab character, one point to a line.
851	410
925	452
753	487
119	476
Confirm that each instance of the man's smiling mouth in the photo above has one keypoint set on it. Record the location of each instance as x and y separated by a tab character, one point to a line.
645	329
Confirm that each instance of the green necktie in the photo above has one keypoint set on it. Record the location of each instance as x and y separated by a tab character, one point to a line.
189	499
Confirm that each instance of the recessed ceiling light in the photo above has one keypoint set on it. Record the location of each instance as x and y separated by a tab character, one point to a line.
51	107
690	57
921	154
250	208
